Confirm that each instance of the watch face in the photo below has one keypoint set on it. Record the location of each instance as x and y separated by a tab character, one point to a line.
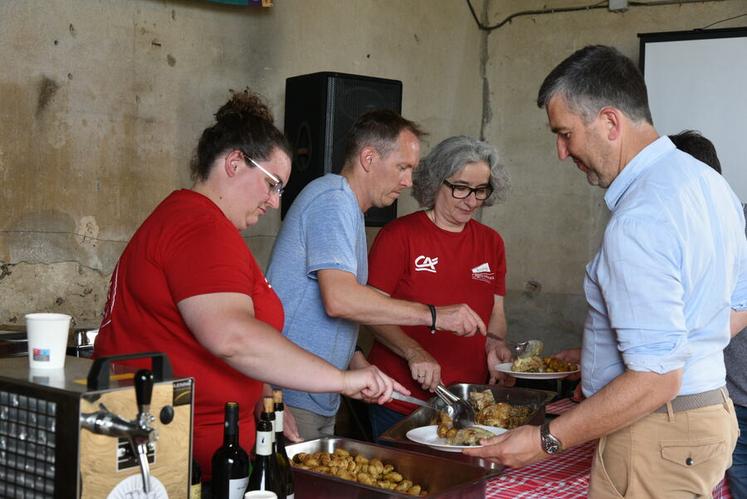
550	444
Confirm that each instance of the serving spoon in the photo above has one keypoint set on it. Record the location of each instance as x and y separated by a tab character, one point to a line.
460	411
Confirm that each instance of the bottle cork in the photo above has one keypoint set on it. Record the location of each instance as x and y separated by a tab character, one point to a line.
277	396
269	404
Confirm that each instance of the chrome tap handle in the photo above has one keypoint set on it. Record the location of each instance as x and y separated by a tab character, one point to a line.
103	422
142	457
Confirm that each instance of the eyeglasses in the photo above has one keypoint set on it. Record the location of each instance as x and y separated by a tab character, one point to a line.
459	191
276	185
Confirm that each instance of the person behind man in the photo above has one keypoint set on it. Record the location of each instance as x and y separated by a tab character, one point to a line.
188	285
319	265
442	255
702	149
672	259
697	146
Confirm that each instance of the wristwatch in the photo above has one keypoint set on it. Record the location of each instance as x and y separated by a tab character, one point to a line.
550	443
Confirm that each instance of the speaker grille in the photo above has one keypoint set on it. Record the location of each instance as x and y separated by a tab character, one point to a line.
320	109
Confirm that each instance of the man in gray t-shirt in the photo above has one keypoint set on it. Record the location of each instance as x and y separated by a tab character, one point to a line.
319	265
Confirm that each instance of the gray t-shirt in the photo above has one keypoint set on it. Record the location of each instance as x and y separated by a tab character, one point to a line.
735	356
324	229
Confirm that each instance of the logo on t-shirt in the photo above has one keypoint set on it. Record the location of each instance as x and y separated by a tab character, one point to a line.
426	264
482	273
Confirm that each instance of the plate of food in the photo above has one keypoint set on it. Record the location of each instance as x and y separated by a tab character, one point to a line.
536	367
467	438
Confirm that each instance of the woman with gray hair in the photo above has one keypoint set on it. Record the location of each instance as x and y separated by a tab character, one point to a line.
442	255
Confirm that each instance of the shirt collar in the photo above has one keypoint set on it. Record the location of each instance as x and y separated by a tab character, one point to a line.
635	168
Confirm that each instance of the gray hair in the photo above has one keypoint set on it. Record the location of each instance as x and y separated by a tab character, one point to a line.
449	157
594	77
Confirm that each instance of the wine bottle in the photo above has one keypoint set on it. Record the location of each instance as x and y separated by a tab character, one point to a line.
263	470
268	413
284	468
195	487
230	462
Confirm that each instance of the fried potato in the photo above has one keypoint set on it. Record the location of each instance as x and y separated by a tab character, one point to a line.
357	468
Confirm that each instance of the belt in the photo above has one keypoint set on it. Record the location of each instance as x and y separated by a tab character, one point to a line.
696	401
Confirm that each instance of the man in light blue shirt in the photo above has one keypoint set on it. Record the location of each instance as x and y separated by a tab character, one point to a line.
699	147
319	265
661	289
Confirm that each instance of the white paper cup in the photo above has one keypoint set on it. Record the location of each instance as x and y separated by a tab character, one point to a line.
47	340
48	377
260	494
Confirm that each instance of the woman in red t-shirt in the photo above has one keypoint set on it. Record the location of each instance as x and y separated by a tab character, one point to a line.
187	285
442	255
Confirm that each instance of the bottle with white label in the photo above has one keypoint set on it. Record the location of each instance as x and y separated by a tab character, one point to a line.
263	469
284	467
230	463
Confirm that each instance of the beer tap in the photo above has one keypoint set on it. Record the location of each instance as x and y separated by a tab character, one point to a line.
139	442
139	431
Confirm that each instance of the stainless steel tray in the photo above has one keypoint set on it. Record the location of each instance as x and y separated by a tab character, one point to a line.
423	416
442	478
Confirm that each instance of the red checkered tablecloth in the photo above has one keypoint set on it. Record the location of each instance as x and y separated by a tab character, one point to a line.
564	476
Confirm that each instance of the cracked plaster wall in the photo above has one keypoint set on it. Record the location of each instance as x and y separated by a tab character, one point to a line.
102	102
553	220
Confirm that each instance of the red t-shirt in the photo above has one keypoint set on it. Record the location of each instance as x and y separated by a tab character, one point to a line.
187	247
413	259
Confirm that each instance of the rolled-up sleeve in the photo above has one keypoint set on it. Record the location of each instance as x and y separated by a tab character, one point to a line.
643	289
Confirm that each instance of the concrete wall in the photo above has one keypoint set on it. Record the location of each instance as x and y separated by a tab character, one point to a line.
101	104
553	220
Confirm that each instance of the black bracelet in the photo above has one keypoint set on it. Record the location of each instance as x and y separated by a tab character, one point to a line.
433	318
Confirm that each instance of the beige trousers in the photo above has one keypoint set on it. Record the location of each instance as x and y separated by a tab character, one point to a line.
666	456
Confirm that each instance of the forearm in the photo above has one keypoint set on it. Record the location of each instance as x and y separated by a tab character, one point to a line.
225	326
270	357
396	340
498	331
344	297
358	361
738	321
625	400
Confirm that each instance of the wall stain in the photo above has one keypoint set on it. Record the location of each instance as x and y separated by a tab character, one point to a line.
5	270
171	60
47	89
532	288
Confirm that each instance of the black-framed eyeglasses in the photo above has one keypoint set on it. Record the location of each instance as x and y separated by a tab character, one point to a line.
460	191
276	185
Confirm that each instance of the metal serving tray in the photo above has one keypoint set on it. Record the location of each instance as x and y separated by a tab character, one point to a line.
442	478
423	416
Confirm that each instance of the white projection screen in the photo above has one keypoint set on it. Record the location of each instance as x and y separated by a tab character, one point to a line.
697	80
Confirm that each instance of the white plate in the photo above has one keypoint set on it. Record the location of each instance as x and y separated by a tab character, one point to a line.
506	368
428	435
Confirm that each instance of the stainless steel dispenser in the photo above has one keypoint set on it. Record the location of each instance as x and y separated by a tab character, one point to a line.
81	432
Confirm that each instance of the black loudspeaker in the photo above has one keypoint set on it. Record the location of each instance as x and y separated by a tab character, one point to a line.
319	110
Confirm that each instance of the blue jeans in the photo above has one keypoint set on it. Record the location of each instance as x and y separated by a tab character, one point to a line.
382	418
737	474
